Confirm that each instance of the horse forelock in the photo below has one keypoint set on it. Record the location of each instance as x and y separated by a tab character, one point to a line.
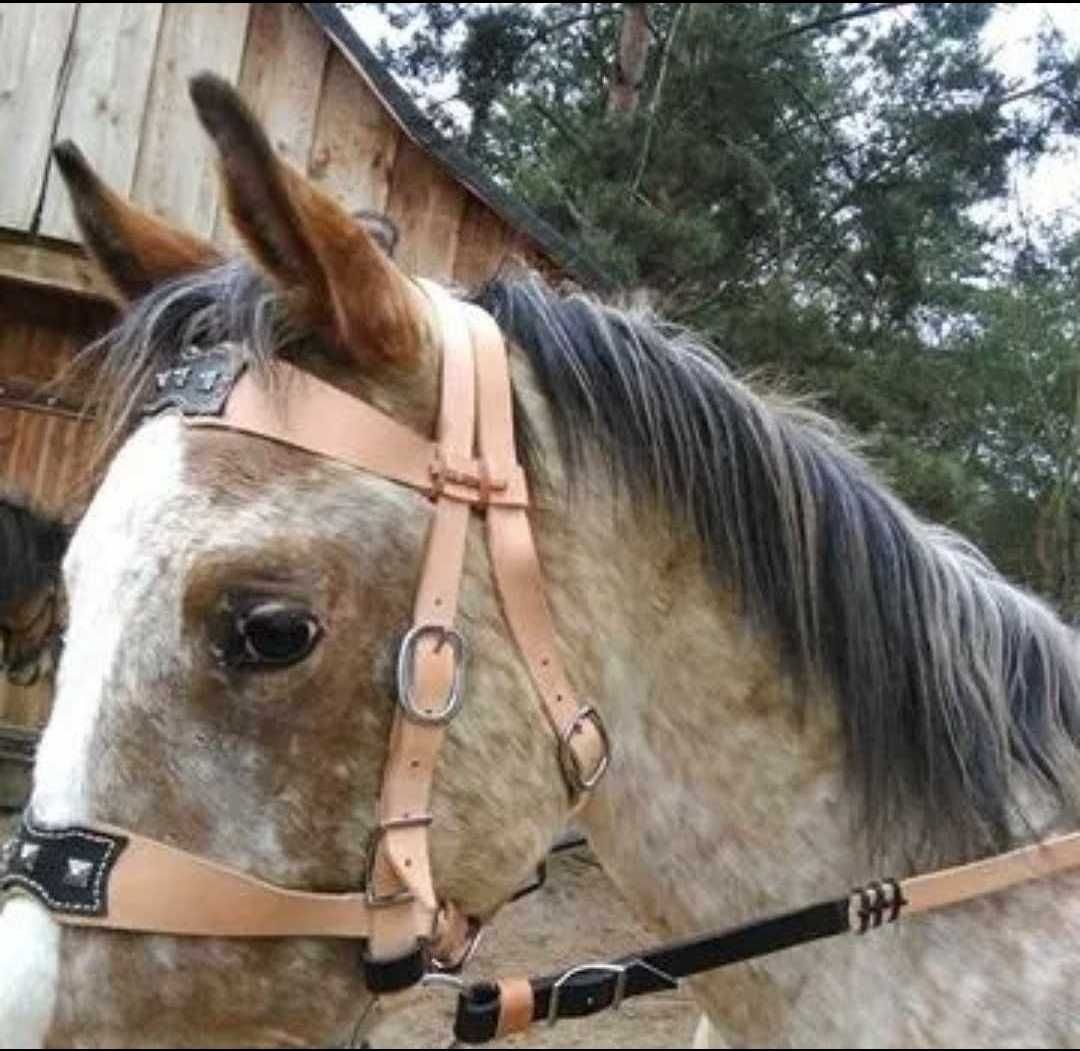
947	678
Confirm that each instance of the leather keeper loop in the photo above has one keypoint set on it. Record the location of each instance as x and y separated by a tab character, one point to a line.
476	1020
397	973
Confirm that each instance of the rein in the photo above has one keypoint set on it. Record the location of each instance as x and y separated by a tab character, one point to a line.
489	1010
103	876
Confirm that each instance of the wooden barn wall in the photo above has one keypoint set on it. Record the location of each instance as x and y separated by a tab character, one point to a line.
113	77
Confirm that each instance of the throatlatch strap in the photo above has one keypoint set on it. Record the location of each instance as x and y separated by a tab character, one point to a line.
516	567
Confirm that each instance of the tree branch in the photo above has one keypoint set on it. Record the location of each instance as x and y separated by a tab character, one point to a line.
863	11
654	102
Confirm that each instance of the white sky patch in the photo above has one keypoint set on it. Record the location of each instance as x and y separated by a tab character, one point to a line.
1048	189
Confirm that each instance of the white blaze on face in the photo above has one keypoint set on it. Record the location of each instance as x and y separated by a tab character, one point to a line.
112	561
29	960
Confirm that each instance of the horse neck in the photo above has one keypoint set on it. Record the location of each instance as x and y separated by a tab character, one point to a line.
723	786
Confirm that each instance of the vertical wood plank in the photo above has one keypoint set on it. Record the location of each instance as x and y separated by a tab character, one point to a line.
427	206
104	99
281	77
356	141
282	74
34	42
174	173
484	243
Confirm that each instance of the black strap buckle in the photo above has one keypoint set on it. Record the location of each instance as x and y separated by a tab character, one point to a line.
601	972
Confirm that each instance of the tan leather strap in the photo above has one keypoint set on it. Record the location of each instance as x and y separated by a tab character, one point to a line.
306	413
516	1006
402	862
584	749
934	890
157	888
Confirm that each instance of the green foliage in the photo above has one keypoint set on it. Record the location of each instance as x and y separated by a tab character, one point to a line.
799	182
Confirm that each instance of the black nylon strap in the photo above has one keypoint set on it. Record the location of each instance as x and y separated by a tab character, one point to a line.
592	988
396	974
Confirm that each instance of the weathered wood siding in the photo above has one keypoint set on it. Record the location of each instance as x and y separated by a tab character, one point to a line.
113	77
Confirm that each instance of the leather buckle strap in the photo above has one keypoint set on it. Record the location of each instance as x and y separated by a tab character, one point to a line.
394	974
430	691
374	899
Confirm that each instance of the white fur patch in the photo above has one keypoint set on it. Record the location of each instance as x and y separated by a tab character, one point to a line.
29	961
106	569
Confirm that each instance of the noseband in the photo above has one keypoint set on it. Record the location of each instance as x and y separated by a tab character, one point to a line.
110	877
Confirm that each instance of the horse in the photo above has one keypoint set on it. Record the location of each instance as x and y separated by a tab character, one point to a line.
32	545
802	683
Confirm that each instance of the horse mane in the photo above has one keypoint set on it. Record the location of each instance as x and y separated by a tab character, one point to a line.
947	677
948	680
32	546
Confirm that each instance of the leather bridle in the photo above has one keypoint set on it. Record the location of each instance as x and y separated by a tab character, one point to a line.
111	877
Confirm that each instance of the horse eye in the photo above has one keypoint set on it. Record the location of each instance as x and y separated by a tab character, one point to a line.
270	634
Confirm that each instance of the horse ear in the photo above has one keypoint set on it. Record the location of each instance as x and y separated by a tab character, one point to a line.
334	272
134	249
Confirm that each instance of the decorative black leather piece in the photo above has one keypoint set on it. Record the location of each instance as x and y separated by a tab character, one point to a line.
591	988
66	869
391	976
199	385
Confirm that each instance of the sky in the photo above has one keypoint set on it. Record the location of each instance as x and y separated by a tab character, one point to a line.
1048	190
1011	34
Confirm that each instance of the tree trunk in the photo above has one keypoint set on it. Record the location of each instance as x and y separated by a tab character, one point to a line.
630	60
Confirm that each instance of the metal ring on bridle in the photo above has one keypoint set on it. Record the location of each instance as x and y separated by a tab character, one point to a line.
406	675
568	759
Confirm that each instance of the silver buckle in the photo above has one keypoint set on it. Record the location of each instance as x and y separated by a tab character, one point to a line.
568	759
406	675
453	967
400	897
619	970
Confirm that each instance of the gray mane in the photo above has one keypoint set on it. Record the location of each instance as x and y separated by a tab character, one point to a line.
947	677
